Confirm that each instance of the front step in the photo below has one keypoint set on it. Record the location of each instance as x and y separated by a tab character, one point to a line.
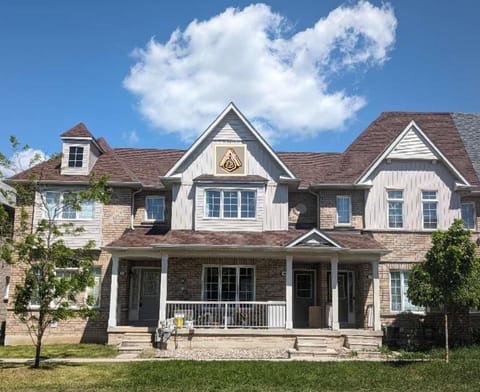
327	353
362	343
311	344
133	343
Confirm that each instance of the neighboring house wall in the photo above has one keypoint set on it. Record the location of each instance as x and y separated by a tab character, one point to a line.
412	177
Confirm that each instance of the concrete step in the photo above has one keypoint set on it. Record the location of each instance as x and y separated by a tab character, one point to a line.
328	353
124	349
311	344
127	343
363	343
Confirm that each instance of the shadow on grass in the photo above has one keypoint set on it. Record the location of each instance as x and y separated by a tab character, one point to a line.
43	365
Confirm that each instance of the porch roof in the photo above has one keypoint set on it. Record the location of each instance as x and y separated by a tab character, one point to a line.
155	237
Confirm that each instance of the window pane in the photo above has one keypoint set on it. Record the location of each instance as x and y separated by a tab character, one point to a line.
468	215
68	212
75	157
395	195
246	282
248	204
94	291
229	283
343	209
429	195
52	200
395	208
212	204
395	291
87	211
210	284
408	306
154	208
230	204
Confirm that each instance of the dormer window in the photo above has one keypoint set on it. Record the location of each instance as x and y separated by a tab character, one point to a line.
75	156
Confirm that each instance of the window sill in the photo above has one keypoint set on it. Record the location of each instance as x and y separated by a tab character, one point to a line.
344	226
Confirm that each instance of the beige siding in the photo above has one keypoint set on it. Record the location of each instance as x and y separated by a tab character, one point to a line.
182	207
217	224
412	177
276	208
86	155
412	146
92	228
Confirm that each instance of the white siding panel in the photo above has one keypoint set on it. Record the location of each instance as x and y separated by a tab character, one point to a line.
276	208
412	147
182	207
231	128
412	177
92	228
66	152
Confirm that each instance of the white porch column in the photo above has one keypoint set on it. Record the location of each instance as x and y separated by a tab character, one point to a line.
162	313
334	284
112	317
289	293
376	296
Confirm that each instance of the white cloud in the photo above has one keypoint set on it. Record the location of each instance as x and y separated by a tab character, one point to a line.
280	79
131	137
22	160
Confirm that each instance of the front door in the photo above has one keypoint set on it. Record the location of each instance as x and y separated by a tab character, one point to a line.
303	296
149	300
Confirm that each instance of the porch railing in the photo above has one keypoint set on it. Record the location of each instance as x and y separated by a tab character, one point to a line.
223	314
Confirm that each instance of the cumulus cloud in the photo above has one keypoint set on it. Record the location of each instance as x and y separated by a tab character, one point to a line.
22	160
131	137
279	78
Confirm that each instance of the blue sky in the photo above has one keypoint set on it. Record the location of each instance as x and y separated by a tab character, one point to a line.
64	62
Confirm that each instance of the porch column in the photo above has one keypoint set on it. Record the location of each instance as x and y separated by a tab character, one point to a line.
289	293
334	284
376	296
162	316
112	317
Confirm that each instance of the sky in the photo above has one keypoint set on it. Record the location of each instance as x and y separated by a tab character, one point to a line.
310	75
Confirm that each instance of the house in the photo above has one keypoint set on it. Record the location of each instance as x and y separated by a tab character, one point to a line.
235	239
7	202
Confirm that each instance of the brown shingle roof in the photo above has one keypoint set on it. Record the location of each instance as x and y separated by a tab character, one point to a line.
79	130
146	237
371	143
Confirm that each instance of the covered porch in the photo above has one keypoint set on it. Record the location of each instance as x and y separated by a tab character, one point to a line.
311	282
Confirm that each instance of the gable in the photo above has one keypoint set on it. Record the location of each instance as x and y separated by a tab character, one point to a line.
230	146
314	238
412	146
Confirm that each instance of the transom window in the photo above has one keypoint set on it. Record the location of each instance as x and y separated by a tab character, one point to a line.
230	204
228	283
429	207
399	301
60	205
75	156
468	215
155	208
395	208
344	210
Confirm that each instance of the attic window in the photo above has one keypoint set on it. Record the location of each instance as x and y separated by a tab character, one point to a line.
75	156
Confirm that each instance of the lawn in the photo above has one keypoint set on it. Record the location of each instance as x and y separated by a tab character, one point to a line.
60	351
460	375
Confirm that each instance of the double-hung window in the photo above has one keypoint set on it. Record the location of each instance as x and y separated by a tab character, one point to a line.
429	207
155	208
230	204
60	205
399	301
468	215
95	290
75	156
344	210
395	208
228	283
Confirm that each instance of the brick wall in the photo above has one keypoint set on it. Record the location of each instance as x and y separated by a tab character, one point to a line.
328	207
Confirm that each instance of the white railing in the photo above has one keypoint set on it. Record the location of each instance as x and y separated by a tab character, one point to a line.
223	314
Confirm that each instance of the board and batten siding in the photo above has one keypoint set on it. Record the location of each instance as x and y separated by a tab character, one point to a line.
187	206
92	228
412	177
218	224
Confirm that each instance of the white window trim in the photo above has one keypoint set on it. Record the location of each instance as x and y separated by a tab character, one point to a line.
239	203
237	267
388	210
349	198
83	156
163	209
60	206
422	200
402	286
474	228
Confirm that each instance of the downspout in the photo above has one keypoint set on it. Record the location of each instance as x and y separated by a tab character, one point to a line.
317	196
132	208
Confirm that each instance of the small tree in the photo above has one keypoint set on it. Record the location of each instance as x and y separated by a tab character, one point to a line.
45	297
449	277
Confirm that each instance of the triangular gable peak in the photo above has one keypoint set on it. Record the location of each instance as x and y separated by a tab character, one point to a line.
230	126
314	238
413	144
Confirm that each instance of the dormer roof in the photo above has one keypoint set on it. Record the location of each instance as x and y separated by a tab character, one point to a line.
78	131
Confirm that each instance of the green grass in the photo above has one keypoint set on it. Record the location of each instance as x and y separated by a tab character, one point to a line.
460	375
60	351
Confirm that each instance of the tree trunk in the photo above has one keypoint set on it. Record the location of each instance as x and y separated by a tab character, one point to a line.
446	337
38	346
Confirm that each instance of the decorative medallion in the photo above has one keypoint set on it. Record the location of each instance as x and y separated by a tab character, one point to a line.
230	161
